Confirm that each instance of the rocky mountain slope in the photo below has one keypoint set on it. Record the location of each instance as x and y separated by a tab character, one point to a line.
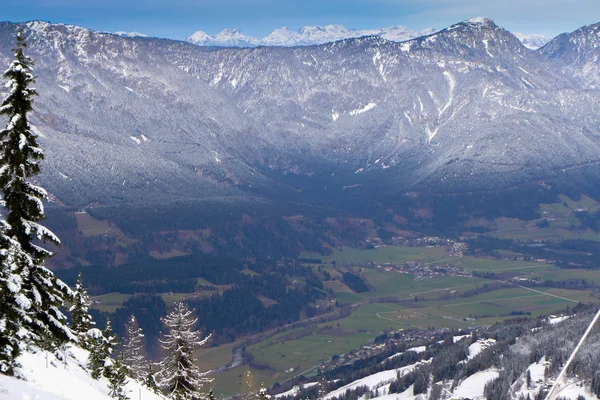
578	54
142	120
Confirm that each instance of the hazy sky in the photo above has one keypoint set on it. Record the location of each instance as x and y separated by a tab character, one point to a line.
179	18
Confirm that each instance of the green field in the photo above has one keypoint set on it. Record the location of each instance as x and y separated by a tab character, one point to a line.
395	301
90	226
109	302
389	254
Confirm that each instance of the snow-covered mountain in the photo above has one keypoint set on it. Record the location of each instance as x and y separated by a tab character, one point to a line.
155	121
532	41
225	38
315	35
578	54
306	36
131	34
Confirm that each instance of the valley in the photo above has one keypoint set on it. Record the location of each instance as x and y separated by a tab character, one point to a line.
413	282
360	214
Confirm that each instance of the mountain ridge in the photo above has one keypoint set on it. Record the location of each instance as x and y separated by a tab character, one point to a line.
157	121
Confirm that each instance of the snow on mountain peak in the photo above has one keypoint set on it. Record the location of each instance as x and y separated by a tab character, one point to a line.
532	41
198	36
480	21
305	36
130	34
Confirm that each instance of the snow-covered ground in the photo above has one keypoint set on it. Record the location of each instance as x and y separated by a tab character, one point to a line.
553	319
48	378
472	387
478	346
376	380
295	390
417	350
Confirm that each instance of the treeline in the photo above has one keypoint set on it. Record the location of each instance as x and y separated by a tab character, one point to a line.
565	254
355	282
177	274
290	290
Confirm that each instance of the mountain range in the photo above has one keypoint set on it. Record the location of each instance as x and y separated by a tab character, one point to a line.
315	35
306	36
137	120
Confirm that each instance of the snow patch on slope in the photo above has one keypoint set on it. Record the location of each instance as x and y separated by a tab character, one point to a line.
376	380
478	346
366	108
472	387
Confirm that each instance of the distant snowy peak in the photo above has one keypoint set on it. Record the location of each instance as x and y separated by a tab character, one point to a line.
130	34
314	35
225	38
532	41
306	36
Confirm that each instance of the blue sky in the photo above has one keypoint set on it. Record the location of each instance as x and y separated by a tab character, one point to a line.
179	18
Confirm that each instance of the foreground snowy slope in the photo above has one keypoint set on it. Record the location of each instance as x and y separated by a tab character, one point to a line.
49	378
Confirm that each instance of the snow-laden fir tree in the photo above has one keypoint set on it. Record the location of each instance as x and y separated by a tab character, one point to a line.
15	307
19	163
82	320
101	361
150	380
262	393
178	375
117	379
133	349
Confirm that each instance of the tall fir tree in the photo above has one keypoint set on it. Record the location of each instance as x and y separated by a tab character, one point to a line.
82	320
100	361
133	349
15	307
19	163
150	380
117	379
178	375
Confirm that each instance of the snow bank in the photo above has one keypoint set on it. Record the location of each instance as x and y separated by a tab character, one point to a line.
46	377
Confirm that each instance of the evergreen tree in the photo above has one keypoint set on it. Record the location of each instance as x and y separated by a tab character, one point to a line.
150	380
19	163
15	307
133	349
100	361
82	320
178	374
117	379
322	387
262	393
210	395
